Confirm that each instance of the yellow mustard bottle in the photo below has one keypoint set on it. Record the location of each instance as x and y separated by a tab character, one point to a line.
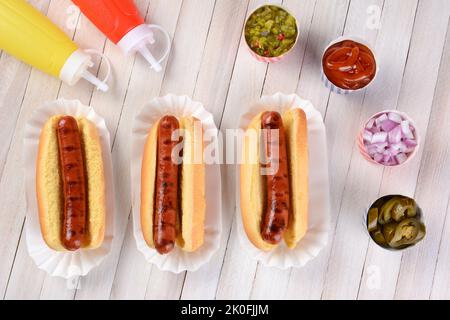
28	35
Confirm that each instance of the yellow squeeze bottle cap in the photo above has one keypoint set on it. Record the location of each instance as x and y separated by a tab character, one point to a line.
102	86
77	65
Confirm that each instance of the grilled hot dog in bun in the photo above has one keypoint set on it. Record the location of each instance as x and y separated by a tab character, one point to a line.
274	204
173	190
70	184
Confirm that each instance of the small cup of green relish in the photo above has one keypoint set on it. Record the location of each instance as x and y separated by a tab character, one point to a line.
270	33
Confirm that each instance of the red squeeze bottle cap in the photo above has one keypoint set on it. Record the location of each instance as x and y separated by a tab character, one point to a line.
121	22
140	38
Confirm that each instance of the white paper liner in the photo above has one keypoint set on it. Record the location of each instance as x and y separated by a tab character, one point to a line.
64	264
316	236
178	260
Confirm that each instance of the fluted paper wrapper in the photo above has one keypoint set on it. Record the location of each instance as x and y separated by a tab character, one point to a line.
316	237
67	265
177	260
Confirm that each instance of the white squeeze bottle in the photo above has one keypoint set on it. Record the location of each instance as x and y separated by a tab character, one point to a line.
28	35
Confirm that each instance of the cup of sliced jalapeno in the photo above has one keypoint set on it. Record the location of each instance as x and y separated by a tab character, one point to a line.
395	222
270	33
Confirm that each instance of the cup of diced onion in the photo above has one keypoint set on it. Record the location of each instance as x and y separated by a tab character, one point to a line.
389	138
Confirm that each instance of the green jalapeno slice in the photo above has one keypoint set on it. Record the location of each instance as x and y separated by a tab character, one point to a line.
378	237
408	232
389	231
372	220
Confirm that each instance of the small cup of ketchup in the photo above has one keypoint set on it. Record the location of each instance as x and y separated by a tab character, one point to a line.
348	65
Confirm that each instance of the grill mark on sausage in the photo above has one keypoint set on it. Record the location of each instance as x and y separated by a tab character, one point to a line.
275	218
166	207
74	184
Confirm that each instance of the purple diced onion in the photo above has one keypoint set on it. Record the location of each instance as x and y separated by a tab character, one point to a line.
381	119
388	125
379	137
401	158
406	130
396	117
367	136
389	139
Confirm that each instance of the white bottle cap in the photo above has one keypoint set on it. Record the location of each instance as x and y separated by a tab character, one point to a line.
150	58
76	67
139	39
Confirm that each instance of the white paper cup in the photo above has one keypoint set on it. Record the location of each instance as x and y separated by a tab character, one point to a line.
270	59
177	260
330	85
316	237
64	264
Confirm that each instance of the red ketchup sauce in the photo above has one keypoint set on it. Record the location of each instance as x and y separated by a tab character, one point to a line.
349	65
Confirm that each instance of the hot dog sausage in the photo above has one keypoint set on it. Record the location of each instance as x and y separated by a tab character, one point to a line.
166	188
275	219
73	177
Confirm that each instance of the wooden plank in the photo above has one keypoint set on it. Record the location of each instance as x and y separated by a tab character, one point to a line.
441	278
341	124
246	85
187	15
86	37
219	55
41	88
211	89
181	76
328	24
381	267
271	283
13	84
362	184
268	282
133	271
97	284
432	194
180	62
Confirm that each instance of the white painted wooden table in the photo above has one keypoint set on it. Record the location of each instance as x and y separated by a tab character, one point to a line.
210	63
